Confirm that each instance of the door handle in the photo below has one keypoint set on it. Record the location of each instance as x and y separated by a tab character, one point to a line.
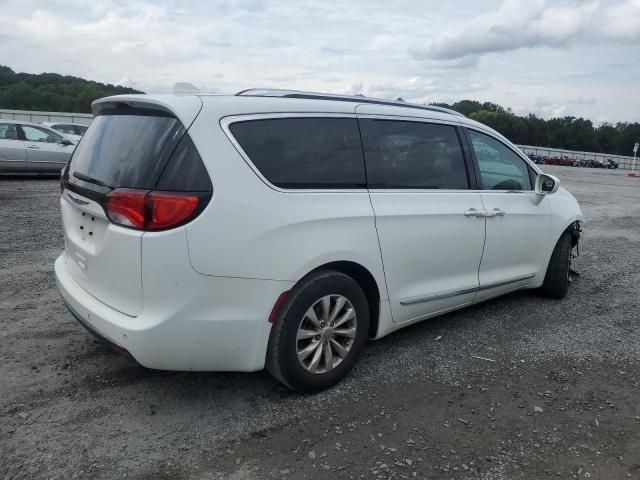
496	212
35	147
472	212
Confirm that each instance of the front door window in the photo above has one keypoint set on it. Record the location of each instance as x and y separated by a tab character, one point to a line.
35	134
500	167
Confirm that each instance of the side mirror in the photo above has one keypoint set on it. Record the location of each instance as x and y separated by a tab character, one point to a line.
546	184
66	141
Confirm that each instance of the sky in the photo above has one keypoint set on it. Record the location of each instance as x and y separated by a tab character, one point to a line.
548	57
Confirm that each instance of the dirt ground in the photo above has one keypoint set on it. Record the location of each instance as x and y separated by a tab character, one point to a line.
556	394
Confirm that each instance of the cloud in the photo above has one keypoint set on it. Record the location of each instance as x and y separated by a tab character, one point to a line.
230	45
414	89
623	21
550	108
533	24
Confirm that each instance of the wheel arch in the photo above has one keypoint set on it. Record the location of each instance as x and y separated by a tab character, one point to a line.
574	228
367	282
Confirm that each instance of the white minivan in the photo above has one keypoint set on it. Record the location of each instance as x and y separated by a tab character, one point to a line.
281	229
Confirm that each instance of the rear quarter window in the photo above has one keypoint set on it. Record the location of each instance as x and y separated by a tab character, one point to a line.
304	153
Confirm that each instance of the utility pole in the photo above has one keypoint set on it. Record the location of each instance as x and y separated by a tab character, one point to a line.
632	173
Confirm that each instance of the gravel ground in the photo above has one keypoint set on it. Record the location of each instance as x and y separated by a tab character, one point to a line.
559	397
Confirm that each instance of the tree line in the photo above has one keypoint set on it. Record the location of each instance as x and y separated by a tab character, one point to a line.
52	92
58	93
568	132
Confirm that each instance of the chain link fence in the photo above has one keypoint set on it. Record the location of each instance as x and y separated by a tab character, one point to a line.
621	160
38	117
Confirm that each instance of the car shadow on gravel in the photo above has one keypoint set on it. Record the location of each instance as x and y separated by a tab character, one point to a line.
120	370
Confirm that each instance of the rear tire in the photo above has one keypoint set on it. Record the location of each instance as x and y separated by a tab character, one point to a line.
556	280
309	349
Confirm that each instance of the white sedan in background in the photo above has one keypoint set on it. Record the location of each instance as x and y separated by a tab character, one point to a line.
73	131
27	147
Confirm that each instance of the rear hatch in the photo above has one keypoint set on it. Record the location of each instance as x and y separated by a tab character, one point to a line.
131	148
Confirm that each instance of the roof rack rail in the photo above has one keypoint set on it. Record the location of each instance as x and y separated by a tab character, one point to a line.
273	92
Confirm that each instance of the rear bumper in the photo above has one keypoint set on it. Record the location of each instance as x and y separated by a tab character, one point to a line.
221	325
97	335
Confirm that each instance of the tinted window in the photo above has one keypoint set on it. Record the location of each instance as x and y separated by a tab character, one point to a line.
35	134
8	131
304	152
80	130
500	167
403	154
126	150
61	127
185	171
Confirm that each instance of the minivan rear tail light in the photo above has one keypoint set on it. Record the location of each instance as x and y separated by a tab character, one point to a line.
126	207
168	209
148	210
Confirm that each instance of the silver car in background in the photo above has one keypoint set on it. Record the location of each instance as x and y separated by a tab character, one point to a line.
27	147
73	131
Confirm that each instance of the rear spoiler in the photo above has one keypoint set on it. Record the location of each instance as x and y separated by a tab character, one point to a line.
128	107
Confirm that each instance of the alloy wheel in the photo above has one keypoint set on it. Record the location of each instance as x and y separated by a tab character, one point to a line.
326	334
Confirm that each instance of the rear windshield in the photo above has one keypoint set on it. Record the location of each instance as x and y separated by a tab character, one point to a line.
127	151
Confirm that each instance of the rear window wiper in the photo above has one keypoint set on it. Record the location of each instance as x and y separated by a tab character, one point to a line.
89	179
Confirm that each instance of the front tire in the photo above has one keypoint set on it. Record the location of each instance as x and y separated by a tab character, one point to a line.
319	332
556	280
